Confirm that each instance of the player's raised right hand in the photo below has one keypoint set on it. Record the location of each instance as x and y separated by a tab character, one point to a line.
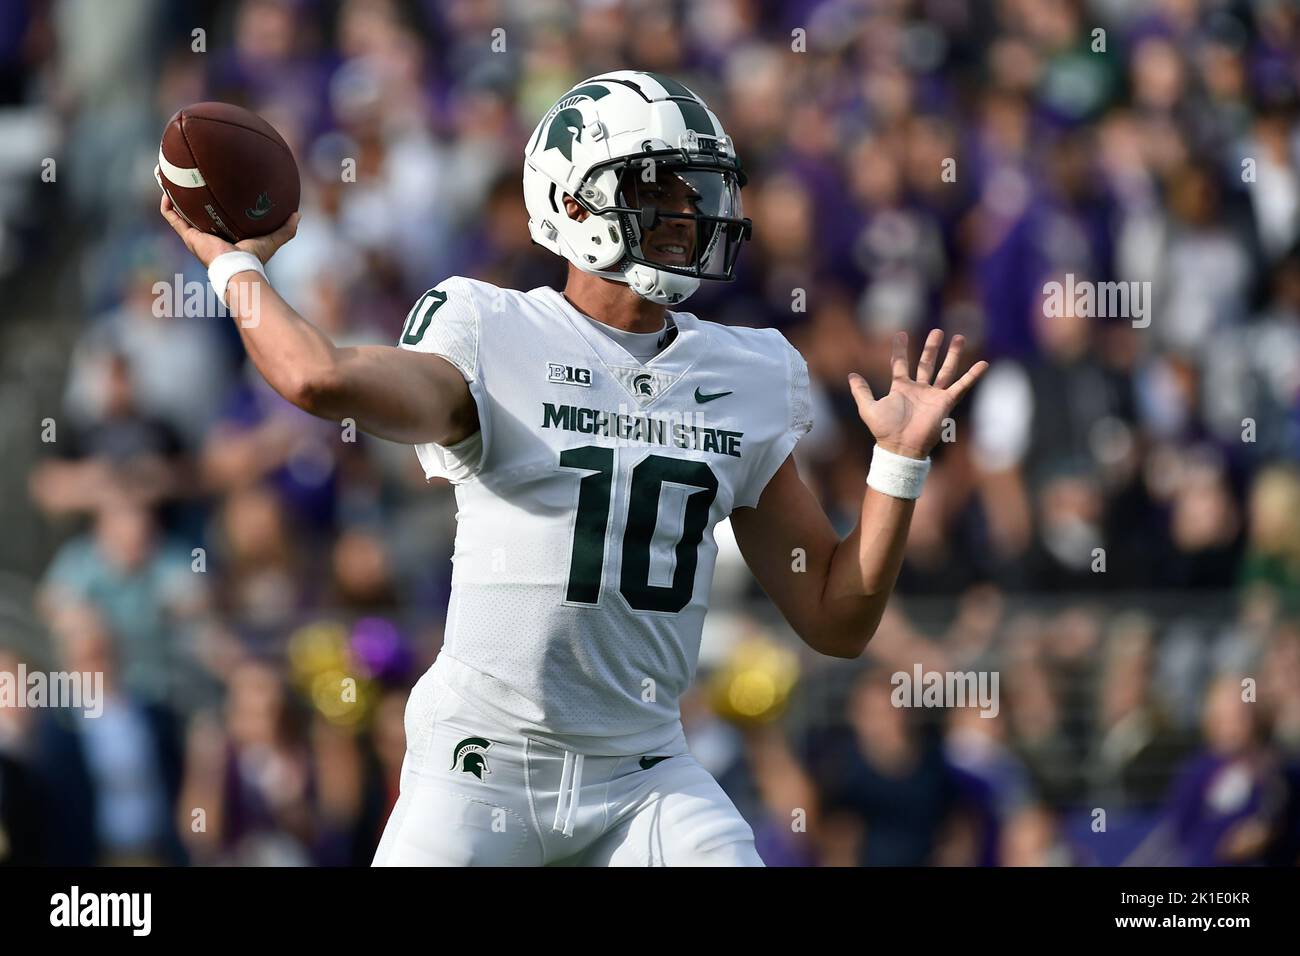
207	247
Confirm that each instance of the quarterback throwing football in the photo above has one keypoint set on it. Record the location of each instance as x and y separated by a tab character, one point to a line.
595	439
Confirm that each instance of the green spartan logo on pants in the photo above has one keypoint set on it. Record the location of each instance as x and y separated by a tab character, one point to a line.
470	756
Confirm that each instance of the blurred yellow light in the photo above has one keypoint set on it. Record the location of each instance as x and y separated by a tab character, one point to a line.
316	648
752	693
755	682
329	697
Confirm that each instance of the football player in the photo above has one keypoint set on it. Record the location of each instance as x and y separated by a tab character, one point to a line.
595	438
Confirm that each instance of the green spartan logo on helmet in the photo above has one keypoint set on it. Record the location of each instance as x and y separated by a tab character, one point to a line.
566	126
470	756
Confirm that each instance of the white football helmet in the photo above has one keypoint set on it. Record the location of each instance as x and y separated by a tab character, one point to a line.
658	176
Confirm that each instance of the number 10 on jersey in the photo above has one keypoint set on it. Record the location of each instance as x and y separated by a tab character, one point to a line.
591	526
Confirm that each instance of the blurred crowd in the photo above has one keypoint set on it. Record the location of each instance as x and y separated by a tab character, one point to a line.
1115	529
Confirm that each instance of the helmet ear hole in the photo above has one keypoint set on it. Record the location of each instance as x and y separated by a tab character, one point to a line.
574	209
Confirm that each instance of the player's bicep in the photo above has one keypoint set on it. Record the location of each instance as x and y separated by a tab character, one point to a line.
788	543
407	396
446	322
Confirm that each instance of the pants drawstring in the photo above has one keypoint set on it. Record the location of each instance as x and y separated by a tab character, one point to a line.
566	803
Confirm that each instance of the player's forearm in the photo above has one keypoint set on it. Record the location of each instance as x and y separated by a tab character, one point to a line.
861	575
297	359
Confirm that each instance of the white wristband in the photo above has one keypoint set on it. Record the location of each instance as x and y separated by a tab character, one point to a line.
897	475
225	266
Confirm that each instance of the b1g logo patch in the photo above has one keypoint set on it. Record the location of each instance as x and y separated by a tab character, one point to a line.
568	375
470	756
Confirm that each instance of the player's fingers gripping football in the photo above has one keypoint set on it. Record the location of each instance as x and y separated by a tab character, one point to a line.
265	246
173	218
205	247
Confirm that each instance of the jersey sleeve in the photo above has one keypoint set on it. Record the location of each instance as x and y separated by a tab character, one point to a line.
797	422
445	321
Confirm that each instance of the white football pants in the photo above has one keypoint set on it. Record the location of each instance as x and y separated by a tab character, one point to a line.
474	795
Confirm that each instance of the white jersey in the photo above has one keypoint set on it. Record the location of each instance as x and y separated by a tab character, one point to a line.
587	502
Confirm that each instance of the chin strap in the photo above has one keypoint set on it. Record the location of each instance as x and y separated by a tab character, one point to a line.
666	288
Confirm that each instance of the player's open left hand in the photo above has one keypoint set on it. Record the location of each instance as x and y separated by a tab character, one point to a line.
907	421
207	247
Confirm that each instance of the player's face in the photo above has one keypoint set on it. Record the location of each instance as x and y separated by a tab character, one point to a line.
672	241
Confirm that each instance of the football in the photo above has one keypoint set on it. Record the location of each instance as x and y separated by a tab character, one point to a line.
227	171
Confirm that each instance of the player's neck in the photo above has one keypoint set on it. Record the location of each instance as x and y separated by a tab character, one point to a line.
612	303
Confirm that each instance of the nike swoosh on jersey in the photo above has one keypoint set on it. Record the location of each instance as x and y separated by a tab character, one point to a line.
702	398
648	762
